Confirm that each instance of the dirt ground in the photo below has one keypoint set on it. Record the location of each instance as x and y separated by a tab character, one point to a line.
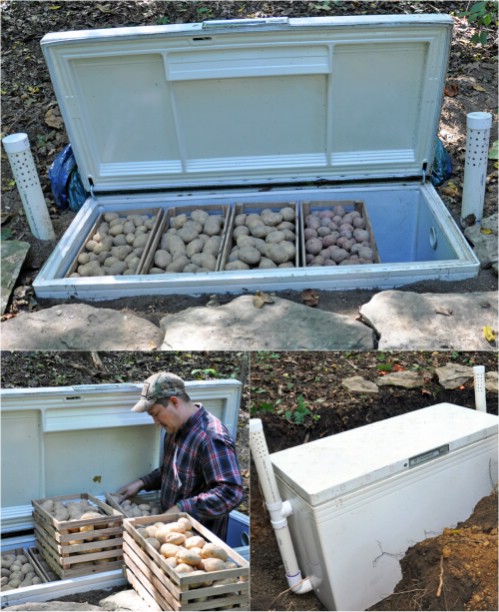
308	386
29	105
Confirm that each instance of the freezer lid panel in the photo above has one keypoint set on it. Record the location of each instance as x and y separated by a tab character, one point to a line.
325	469
251	102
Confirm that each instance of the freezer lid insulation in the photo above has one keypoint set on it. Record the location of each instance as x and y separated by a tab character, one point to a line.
268	102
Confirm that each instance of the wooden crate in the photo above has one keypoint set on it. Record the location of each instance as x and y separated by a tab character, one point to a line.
222	210
241	208
163	589
41	564
23	551
157	212
71	553
137	499
348	205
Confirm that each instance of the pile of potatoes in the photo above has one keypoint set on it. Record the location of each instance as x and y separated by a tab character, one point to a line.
263	240
187	552
337	237
17	572
191	243
133	509
115	248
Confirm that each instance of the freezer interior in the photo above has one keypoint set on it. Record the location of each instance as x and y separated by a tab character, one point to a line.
85	439
417	239
388	485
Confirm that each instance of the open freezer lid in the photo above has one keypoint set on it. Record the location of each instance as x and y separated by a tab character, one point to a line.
85	439
252	101
325	469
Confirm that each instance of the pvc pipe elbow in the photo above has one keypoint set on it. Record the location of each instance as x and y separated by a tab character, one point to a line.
299	585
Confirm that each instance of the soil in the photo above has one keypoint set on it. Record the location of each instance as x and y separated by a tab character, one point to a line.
306	387
29	105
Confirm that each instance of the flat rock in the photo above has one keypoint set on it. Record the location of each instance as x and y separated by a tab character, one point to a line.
79	327
485	245
406	379
431	321
492	381
453	375
357	384
62	606
283	325
13	254
124	600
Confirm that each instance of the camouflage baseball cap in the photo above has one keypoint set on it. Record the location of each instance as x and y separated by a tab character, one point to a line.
157	386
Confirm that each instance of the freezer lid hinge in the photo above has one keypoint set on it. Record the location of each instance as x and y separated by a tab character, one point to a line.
92	187
424	171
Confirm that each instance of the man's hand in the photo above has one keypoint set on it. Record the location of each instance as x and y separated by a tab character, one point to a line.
129	490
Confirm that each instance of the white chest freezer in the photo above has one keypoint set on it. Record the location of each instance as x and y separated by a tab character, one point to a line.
361	498
85	439
262	113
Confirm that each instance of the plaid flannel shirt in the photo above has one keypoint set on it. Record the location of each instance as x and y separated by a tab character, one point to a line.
200	472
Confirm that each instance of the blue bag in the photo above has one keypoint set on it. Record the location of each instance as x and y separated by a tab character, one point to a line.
442	165
65	182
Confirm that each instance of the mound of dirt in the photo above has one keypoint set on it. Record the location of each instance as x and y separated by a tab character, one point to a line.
455	571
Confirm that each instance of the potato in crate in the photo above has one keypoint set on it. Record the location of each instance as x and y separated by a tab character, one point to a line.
174	563
262	236
145	504
78	534
188	240
19	570
337	233
117	244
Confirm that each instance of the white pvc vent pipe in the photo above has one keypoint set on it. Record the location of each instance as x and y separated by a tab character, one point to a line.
28	184
475	167
278	509
479	384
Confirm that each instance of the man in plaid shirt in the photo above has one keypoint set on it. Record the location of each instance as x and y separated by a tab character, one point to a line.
199	473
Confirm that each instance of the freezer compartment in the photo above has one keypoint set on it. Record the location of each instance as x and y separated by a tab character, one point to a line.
387	486
256	226
417	240
158	582
340	232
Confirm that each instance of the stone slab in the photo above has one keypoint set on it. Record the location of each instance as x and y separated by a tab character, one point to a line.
60	606
79	327
485	245
357	384
13	253
405	320
124	600
405	379
283	325
454	375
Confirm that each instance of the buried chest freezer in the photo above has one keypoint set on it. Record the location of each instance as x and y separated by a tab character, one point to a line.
361	498
247	115
59	441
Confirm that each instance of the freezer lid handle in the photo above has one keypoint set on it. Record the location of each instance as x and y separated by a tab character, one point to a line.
240	23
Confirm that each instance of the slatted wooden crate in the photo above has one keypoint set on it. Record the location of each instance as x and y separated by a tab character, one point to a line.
217	210
230	240
36	568
349	206
71	552
157	214
162	588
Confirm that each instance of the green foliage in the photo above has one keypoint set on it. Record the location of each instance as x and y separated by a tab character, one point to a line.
481	14
201	374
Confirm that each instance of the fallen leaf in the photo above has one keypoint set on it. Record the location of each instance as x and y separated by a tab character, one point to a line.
451	90
447	312
451	189
310	297
486	230
479	88
494	150
53	118
261	298
489	334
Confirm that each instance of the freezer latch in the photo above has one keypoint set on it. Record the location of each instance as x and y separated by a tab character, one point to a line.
428	455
